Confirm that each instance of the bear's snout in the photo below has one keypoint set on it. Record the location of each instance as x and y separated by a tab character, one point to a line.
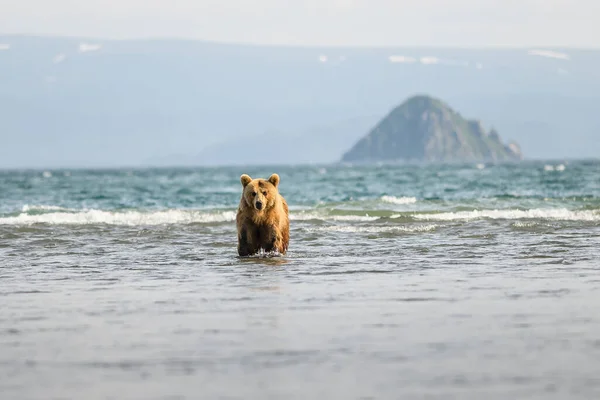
259	205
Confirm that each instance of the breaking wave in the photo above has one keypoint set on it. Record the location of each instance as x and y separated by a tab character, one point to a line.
398	200
42	208
378	229
309	216
167	217
30	215
131	218
540	214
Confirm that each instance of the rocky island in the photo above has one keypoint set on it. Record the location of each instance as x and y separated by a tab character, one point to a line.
425	129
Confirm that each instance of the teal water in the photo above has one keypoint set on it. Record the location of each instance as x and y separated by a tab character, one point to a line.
458	281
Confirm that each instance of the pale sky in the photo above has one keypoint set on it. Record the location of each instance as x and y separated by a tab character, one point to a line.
316	22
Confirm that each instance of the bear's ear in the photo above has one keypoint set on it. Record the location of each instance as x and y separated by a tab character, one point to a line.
274	179
245	179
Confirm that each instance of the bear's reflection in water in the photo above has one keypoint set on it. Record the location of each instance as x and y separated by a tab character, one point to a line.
265	258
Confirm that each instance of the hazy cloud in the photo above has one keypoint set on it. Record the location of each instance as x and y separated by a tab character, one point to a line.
363	22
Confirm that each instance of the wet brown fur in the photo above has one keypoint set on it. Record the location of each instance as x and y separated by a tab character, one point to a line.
268	228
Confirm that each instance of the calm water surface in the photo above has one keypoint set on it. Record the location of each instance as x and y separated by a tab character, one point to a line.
454	282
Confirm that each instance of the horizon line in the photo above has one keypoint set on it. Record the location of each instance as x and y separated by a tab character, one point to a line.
145	166
297	46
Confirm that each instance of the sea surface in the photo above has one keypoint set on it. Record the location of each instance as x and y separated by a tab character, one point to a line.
401	281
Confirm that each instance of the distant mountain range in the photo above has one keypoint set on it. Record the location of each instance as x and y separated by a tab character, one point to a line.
89	102
425	129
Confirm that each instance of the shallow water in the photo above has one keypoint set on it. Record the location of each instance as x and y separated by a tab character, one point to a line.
455	282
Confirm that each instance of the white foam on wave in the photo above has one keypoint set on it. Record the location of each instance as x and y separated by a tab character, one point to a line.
378	229
55	215
340	218
548	214
130	218
559	167
524	224
398	200
27	208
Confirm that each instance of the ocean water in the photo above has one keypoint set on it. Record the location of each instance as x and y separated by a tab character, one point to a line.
431	282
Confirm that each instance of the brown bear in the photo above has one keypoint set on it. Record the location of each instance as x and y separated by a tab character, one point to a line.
262	217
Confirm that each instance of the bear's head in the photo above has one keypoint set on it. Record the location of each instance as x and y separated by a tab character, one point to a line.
260	194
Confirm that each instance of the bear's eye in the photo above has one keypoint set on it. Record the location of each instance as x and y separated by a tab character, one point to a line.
253	193
264	193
